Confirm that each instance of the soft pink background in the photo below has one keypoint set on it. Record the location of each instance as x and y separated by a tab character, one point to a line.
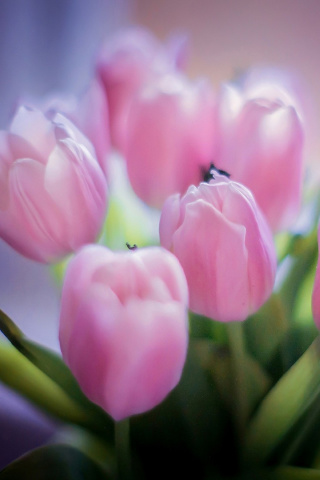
228	36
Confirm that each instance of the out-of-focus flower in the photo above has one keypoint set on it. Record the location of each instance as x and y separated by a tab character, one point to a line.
260	143
89	113
290	88
274	84
171	137
53	193
224	245
177	50
123	326
125	64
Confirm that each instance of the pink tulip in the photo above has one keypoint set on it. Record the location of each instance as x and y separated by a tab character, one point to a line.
123	326
260	143
170	137
90	114
125	64
224	245
52	190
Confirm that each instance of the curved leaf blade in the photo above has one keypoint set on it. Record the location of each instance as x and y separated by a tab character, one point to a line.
286	402
54	462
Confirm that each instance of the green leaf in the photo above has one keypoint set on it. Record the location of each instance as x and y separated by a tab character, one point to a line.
302	261
257	381
266	329
294	473
303	306
286	402
297	340
316	459
90	445
56	462
53	367
299	446
280	473
22	376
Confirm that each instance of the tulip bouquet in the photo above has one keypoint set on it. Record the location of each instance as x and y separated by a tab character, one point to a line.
181	226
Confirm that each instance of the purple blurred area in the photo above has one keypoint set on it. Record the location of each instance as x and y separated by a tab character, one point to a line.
49	45
23	427
45	45
30	297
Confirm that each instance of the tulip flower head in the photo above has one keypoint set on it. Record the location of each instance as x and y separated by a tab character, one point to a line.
123	326
125	64
171	137
53	193
224	245
260	142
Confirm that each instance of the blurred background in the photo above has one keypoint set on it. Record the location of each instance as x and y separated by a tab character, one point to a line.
48	45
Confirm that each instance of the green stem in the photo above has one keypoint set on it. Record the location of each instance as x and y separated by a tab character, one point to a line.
122	443
238	366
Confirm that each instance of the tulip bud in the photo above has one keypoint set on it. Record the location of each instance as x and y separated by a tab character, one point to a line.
52	190
89	113
125	64
123	326
170	137
224	245
261	145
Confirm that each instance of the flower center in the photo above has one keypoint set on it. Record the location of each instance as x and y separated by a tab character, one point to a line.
210	173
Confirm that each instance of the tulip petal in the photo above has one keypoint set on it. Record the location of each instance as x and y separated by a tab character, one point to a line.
76	183
28	223
215	262
163	266
171	214
96	124
261	262
31	135
126	349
